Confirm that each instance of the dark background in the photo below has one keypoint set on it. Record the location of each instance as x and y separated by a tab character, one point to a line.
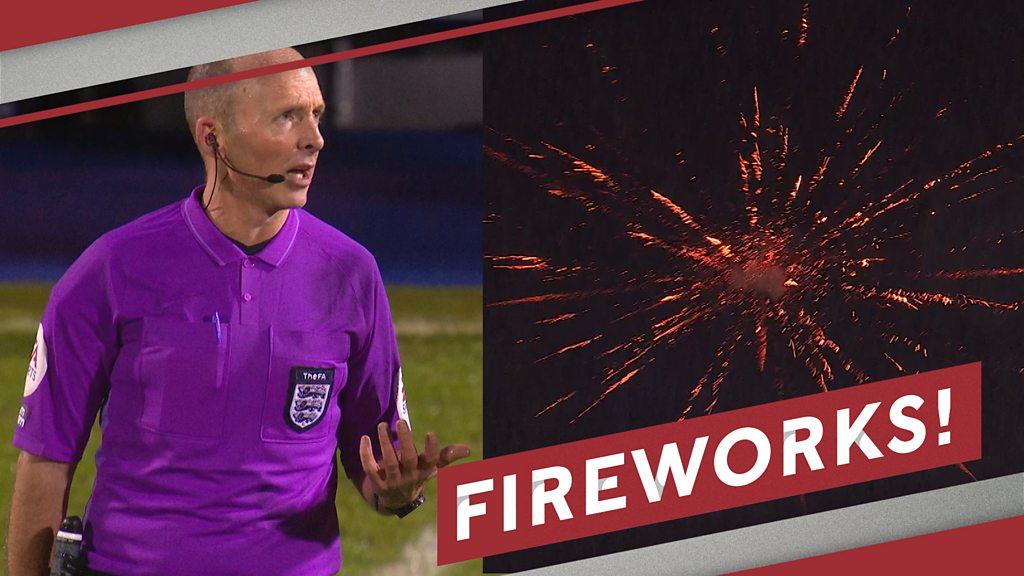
673	84
400	173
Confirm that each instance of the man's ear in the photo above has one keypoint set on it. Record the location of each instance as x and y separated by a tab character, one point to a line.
206	134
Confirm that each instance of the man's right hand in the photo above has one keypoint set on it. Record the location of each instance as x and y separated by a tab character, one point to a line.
37	508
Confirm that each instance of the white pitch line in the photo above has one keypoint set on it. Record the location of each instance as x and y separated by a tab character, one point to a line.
403	327
419	558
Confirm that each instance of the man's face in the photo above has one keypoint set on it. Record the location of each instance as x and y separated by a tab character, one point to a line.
274	129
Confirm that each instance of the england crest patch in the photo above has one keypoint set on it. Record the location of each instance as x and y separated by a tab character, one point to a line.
310	393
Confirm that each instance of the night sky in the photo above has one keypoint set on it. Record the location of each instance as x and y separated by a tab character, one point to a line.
848	279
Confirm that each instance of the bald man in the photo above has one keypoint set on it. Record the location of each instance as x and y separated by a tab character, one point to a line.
232	344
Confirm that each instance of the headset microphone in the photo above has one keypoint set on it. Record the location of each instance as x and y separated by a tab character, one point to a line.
211	139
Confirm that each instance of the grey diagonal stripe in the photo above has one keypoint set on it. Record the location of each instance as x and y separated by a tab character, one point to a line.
812	535
196	38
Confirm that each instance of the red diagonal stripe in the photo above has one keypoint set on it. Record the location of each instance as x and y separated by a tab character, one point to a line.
315	61
28	23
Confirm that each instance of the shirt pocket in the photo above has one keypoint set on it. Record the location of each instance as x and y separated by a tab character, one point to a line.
181	370
306	374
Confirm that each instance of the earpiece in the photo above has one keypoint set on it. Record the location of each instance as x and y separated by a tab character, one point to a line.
211	141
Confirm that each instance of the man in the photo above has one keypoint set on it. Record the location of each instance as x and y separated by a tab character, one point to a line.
231	343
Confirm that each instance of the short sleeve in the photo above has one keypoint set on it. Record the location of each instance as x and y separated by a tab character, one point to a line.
374	391
68	372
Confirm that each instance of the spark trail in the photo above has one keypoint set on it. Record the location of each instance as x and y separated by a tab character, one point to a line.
807	290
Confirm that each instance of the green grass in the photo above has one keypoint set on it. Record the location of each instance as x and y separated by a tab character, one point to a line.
440	340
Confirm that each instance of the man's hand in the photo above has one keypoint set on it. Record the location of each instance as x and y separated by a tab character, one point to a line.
398	479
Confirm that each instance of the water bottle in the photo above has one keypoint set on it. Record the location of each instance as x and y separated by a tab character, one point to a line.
67	548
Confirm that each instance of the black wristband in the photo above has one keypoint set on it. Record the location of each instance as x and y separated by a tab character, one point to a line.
408	508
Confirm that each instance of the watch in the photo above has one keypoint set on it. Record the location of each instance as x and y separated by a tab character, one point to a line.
407	509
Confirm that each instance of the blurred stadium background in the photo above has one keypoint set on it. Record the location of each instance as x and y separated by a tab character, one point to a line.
401	173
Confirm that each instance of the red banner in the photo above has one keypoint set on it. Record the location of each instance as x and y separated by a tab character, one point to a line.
27	23
712	463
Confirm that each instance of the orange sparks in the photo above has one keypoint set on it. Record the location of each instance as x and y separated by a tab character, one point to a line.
757	110
762	343
982	273
559	297
755	163
914	299
744	173
587	204
613	350
777	251
803	25
575	346
849	94
909	343
819	175
518	262
604	394
963	468
685	319
893	38
555	403
966	166
894	362
556	319
796	188
975	177
584	167
675	209
784	151
693	254
859	218
869	153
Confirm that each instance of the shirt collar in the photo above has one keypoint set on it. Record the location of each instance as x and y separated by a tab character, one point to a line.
220	248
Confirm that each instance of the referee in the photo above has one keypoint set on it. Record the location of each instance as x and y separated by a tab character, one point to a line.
231	343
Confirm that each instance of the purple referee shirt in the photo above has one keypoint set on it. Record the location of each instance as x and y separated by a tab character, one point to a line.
226	384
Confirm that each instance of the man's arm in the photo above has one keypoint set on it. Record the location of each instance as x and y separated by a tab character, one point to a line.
369	493
41	489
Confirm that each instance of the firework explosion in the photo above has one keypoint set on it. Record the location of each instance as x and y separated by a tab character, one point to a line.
800	282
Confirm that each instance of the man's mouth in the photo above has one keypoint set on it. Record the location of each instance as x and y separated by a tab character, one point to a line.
303	171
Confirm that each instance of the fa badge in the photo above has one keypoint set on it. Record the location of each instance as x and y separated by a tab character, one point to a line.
310	393
403	404
37	364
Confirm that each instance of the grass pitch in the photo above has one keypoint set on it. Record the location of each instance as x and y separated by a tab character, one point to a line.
440	338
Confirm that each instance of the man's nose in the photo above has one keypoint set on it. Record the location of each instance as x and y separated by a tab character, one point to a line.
311	138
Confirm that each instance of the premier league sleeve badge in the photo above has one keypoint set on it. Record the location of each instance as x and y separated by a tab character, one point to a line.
310	391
